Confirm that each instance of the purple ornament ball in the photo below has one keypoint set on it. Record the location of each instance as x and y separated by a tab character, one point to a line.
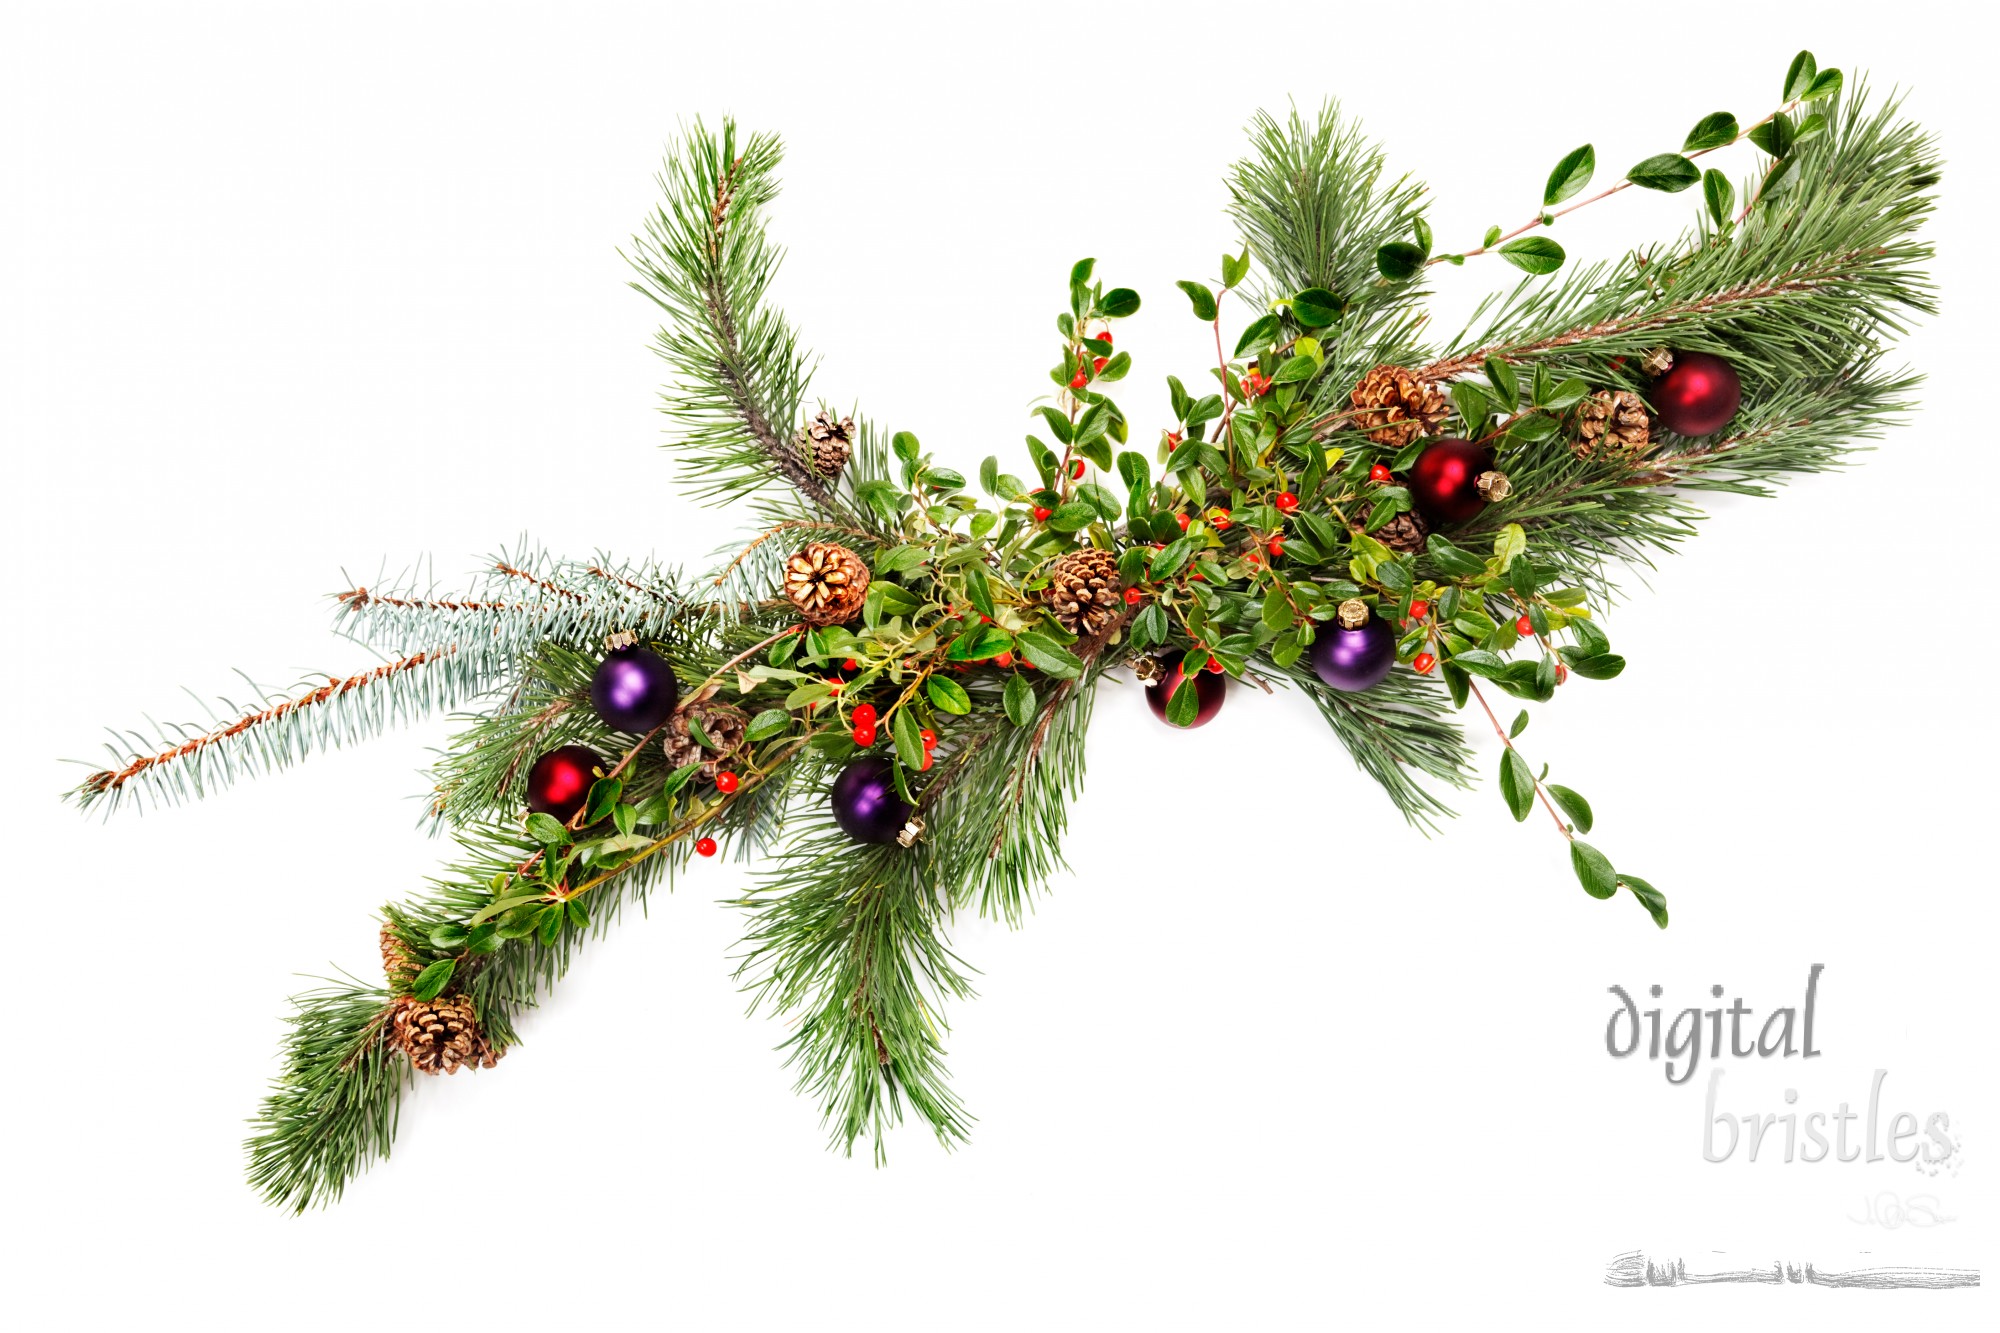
866	804
1353	660
634	690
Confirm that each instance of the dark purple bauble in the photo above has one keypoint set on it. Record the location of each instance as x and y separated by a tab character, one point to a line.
634	690
1698	396
560	780
1444	481
1354	659
1209	689
865	803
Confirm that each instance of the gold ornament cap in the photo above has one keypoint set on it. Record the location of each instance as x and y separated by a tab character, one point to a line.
1657	362
1352	614
1493	487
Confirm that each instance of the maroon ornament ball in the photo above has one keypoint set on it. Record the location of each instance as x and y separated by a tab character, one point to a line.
1698	395
1444	481
1209	689
560	780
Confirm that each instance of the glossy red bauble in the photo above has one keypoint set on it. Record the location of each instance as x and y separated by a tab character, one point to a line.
1444	481
560	780
1209	690
1698	395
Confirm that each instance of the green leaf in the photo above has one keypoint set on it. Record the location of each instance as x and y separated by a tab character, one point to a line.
767	724
1572	805
905	445
947	695
1799	78
1492	235
1775	135
577	916
1712	131
1201	298
1520	725
1019	700
1049	656
547	830
1517	783
1597	666
1593	870
1118	303
604	794
550	925
1071	517
1533	254
979	643
1261	331
1185	703
1398	261
1235	268
909	738
1295	370
1115	368
449	936
1565	395
1506	384
1316	307
1080	271
626	817
1825	84
1570	176
1783	176
1668	171
1649	897
430	982
1720	194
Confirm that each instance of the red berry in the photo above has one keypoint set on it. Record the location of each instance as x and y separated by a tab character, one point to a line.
1287	502
1277	547
928	737
1378	473
1004	661
929	758
1026	665
1105	336
1562	673
1419	609
1078	380
833	686
1181	519
1221	520
1256	385
1133	597
1423	663
1173	440
1524	626
1252	558
1214	666
865	715
1097	363
1042	513
864	736
705	846
850	665
1076	469
727	782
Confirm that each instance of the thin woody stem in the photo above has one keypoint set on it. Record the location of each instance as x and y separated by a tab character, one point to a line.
1508	741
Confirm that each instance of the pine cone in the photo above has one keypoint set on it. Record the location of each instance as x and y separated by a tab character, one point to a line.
1085	593
440	1035
1406	531
827	583
397	965
1394	407
724	726
1612	424
827	443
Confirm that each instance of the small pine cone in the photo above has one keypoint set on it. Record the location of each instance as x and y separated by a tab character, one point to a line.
827	583
1406	531
1085	593
440	1035
1612	424
1394	407
397	964
723	724
827	442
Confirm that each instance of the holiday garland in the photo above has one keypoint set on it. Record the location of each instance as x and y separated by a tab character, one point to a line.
886	691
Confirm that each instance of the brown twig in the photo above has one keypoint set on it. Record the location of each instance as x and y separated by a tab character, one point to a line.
538	581
356	598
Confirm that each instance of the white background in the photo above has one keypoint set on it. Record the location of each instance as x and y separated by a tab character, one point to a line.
295	288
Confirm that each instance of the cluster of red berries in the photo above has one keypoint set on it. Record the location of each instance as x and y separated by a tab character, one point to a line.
864	725
1256	385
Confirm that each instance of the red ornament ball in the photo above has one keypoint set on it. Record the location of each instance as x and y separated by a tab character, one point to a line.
727	782
1698	395
1444	481
705	846
1209	690
560	780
